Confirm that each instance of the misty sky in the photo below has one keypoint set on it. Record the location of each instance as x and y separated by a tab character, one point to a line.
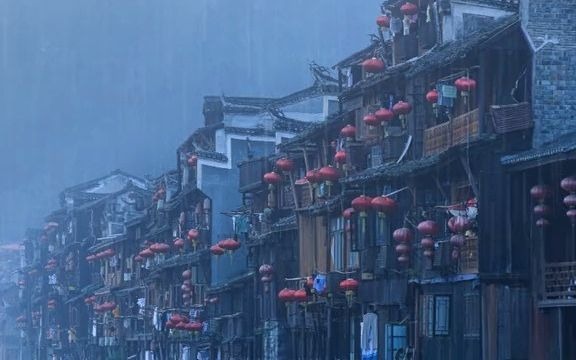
89	86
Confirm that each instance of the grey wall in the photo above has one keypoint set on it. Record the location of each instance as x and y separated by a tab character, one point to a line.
554	84
221	185
94	85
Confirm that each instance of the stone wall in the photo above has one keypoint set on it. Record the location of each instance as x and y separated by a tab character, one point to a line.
551	28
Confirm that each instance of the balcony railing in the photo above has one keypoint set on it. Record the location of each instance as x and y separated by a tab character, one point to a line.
559	287
251	174
456	131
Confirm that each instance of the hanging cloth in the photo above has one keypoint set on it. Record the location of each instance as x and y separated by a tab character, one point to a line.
320	283
369	336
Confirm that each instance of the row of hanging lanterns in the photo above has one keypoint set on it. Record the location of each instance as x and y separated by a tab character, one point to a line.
186	287
403	237
227	245
108	253
105	307
458	225
180	322
541	193
428	229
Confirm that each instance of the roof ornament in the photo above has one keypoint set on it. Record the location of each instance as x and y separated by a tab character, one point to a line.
321	74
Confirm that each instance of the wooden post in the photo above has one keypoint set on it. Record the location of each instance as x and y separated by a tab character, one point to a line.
293	186
307	165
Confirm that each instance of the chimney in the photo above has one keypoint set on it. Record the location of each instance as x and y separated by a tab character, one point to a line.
551	30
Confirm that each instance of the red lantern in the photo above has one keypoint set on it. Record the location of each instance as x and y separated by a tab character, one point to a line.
193	161
272	178
540	192
427	243
195	326
329	174
216	250
348	131
312	176
402	249
286	295
285	164
90	258
146	253
371	120
409	9
432	96
170	325
569	184
300	295
458	240
178	243
403	259
383	21
402	108
542	222
428	253
465	85
362	204
571	214
542	210
109	253
428	227
402	235
265	269
347	214
349	285
458	224
160	248
180	326
570	200
193	234
373	65
186	274
266	279
229	244
384	205
340	157
138	258
384	115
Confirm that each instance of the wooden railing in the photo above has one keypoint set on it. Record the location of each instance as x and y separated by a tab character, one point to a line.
459	130
559	287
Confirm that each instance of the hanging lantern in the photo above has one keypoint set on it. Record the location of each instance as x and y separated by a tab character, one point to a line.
402	235
340	157
428	228
458	224
432	97
383	21
362	204
465	85
193	234
540	193
266	269
402	108
542	222
178	243
90	258
571	214
403	259
384	115
427	243
348	213
457	240
216	250
373	65
348	132
266	279
371	120
300	295
160	248
229	244
285	164
329	174
570	200
313	177
195	326
402	249
180	326
384	205
146	253
569	184
286	295
272	178
192	160
428	253
410	12
542	210
187	274
349	286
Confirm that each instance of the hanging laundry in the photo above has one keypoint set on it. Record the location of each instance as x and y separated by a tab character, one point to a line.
369	336
320	283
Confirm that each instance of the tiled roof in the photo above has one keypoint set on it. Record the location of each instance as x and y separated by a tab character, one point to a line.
211	155
563	145
452	51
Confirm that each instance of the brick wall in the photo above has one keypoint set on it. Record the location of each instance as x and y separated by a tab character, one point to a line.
554	72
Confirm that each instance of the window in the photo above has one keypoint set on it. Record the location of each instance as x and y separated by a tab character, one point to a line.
337	249
435	315
471	315
395	336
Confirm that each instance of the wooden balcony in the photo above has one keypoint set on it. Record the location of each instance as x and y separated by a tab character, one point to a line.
459	130
251	174
559	284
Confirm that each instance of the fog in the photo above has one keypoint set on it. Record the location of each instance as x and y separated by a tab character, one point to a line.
89	86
